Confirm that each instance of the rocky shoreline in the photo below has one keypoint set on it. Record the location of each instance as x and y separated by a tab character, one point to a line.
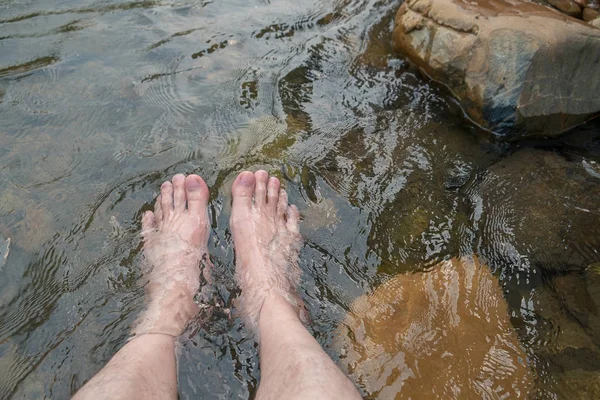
526	229
517	68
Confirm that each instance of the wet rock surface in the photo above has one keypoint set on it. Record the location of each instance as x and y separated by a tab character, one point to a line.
415	215
517	68
567	352
536	208
580	295
442	333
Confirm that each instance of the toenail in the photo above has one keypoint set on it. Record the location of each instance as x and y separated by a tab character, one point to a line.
193	184
246	179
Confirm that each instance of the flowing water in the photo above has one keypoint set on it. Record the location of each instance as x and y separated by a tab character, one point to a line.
101	101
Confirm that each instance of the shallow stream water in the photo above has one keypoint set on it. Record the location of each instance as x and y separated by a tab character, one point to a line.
101	101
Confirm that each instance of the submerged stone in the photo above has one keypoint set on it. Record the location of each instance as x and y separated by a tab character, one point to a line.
537	208
580	295
320	214
517	68
567	319
4	250
441	333
578	384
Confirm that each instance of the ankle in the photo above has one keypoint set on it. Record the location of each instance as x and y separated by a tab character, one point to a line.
169	315
277	309
153	336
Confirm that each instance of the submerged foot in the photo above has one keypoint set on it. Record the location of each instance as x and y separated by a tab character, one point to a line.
267	243
175	255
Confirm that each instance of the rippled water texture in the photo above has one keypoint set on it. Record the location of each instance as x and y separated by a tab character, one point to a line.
102	101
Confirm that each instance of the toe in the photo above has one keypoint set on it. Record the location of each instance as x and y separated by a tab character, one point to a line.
158	214
273	194
260	189
242	191
197	195
293	216
166	199
148	223
179	192
282	203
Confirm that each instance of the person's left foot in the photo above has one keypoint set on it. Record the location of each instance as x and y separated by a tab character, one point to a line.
267	242
175	249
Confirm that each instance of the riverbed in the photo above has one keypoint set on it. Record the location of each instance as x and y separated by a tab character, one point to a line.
101	101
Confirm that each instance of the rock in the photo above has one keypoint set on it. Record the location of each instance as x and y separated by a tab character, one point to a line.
580	295
568	350
443	333
578	384
595	23
410	180
320	214
536	208
517	68
563	349
569	7
4	250
27	223
582	3
589	14
557	332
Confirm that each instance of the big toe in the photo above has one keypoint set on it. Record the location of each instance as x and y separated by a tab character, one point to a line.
242	192
197	195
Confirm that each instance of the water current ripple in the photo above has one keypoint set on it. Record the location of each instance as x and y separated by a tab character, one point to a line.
102	101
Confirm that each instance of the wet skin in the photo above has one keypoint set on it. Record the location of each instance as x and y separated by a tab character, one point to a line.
175	239
267	242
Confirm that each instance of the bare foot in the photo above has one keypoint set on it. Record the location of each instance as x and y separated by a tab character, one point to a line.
175	250
267	243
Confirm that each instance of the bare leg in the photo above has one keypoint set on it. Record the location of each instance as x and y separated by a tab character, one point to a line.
175	240
265	233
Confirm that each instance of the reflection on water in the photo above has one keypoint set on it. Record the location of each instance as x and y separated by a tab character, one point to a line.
102	101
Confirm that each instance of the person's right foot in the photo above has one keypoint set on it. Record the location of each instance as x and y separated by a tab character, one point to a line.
175	254
267	243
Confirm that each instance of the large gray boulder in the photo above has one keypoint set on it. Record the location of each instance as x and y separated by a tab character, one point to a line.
517	68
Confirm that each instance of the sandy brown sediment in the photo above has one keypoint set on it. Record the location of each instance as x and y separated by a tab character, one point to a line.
444	333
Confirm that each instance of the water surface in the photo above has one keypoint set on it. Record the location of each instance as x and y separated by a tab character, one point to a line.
101	101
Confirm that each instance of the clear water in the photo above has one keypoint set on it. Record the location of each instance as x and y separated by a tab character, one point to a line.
101	101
